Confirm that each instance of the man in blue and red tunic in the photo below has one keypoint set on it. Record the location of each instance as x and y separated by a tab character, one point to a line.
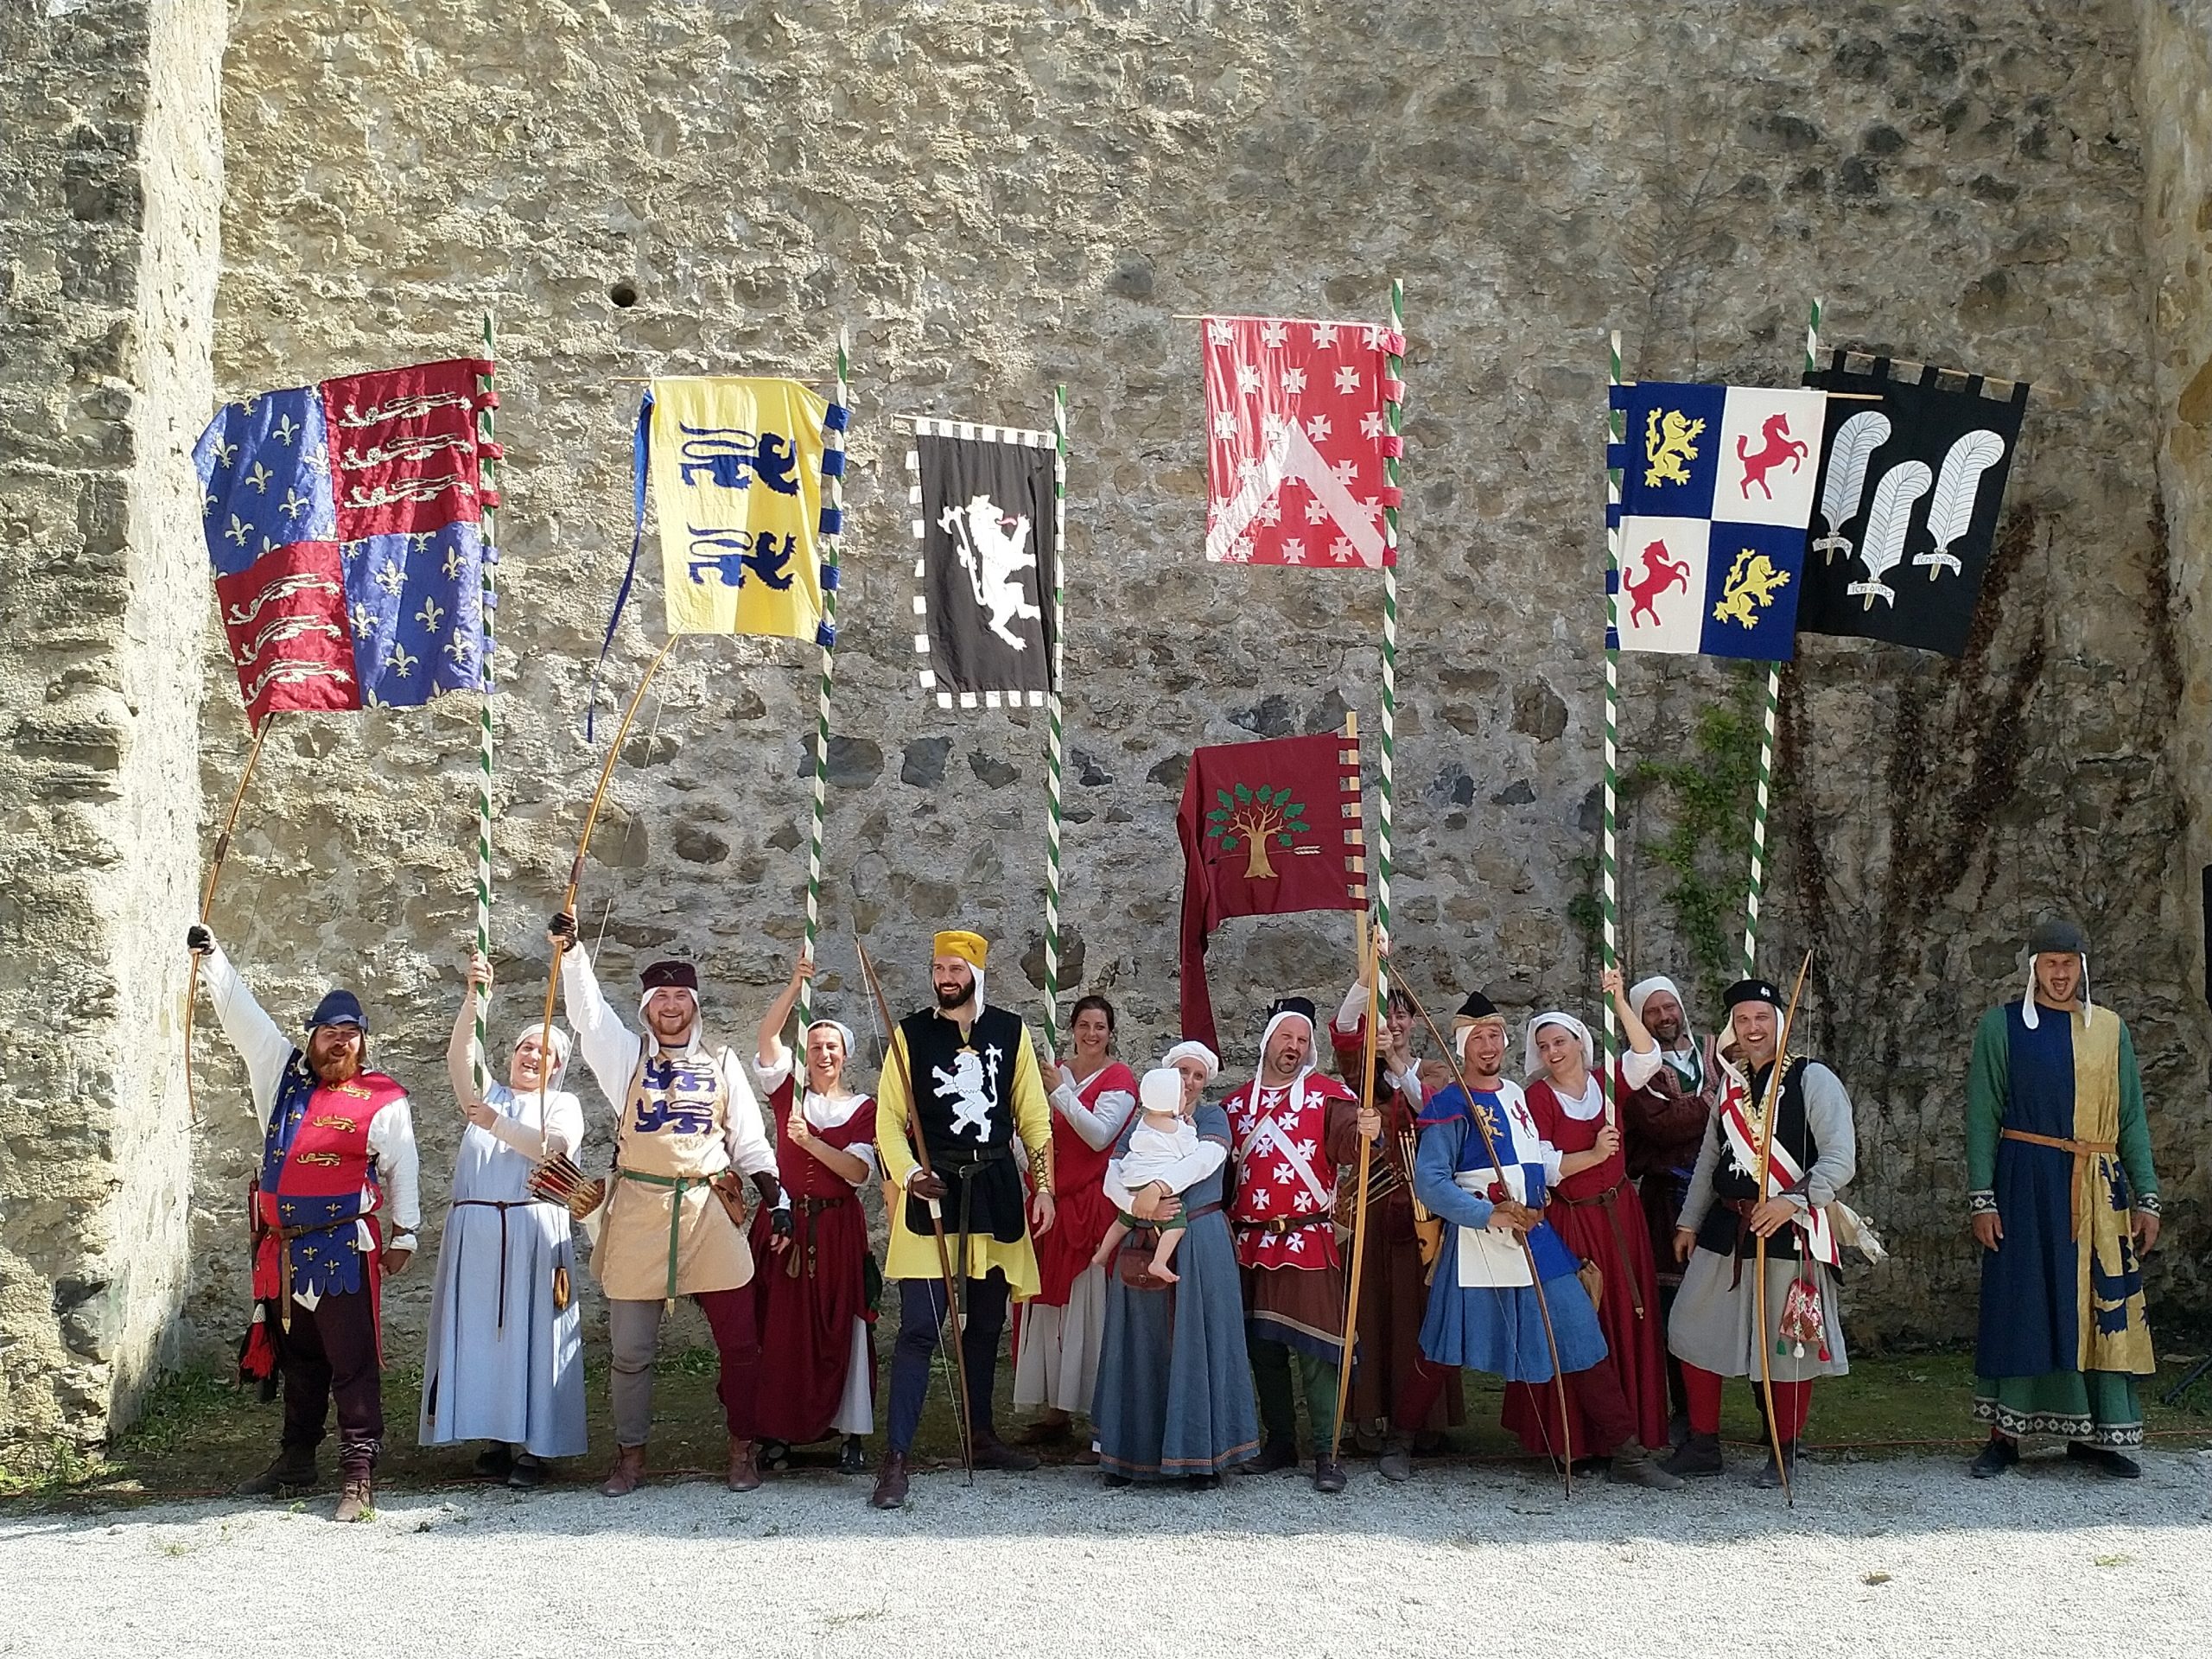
338	1152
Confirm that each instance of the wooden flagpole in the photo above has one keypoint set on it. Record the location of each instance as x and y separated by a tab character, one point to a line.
207	899
480	1066
1770	718
1053	730
1609	856
832	485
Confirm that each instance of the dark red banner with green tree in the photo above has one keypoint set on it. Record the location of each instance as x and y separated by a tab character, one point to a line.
1268	829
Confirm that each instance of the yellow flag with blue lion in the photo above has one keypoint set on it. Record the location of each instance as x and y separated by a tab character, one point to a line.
735	467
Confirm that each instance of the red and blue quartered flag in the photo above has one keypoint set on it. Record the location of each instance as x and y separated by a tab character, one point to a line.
344	522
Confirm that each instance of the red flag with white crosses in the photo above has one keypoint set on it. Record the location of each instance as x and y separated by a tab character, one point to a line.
1296	441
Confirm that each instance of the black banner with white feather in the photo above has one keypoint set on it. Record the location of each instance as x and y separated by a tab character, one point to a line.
1906	506
986	555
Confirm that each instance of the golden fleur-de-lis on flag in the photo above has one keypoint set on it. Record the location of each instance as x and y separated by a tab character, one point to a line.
401	665
431	614
239	530
364	622
419	540
296	504
453	564
225	453
392	578
260	478
285	430
459	648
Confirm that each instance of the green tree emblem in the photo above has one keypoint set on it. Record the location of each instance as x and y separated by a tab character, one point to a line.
1250	818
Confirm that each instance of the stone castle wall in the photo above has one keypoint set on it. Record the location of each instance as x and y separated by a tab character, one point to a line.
108	257
998	197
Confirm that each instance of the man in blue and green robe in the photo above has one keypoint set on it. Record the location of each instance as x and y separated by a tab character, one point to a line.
2064	1203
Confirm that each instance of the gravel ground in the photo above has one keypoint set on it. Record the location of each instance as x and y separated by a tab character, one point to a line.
1893	1557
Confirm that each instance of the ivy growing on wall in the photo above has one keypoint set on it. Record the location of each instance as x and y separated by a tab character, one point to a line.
1707	798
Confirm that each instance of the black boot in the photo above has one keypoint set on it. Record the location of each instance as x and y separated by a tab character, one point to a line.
2105	1460
1771	1475
290	1474
1699	1458
1633	1466
2000	1454
1328	1474
1274	1455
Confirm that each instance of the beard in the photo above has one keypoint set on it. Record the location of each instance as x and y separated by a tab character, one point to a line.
335	1069
1666	1032
954	996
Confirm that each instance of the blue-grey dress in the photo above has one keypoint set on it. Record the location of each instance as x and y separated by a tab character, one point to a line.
1174	1393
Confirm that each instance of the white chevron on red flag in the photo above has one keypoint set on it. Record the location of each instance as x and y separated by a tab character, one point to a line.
1295	440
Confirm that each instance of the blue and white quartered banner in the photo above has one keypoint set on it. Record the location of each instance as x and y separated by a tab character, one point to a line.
1716	492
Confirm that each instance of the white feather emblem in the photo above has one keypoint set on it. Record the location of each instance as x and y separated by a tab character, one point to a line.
1856	441
1887	520
1950	510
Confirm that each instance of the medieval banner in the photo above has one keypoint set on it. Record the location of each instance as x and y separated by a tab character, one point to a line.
1912	476
1296	441
343	520
736	468
986	559
1268	829
1716	491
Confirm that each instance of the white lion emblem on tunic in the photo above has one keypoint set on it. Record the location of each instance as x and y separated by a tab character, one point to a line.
963	1086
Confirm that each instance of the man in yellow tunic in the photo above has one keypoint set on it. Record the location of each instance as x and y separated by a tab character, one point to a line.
977	1092
672	1221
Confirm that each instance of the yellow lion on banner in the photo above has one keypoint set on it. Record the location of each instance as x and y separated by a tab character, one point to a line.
1670	446
1752	581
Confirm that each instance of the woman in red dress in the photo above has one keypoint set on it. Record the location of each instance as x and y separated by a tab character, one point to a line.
1057	1331
1595	1210
812	1292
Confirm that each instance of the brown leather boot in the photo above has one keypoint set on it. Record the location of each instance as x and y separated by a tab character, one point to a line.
743	1467
357	1500
628	1471
890	1483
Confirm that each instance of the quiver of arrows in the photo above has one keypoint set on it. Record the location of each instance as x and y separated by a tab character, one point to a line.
559	1181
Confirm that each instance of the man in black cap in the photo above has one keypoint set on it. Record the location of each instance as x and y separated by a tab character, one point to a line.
672	1222
2064	1204
1714	1329
1291	1129
338	1151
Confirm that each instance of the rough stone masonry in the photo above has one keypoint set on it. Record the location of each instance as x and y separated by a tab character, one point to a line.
996	197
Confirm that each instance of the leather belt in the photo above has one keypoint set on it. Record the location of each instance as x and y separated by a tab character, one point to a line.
1277	1225
1609	1200
2082	1151
502	1205
809	1209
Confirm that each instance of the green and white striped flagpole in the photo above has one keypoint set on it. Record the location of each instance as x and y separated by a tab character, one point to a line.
1609	856
1394	425
1053	734
1770	718
488	481
832	485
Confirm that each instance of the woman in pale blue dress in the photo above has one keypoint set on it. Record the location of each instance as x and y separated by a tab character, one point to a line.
1174	1397
505	1356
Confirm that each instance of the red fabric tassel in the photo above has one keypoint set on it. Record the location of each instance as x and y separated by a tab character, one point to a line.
1390	496
1394	389
257	1352
1394	342
1393	445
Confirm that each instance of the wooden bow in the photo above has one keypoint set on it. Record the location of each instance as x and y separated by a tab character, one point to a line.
1758	1250
1535	1278
577	871
897	1054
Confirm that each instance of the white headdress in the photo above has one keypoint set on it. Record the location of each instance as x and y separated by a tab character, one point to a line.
1532	1064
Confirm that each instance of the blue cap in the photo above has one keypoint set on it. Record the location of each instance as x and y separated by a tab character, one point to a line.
339	1008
